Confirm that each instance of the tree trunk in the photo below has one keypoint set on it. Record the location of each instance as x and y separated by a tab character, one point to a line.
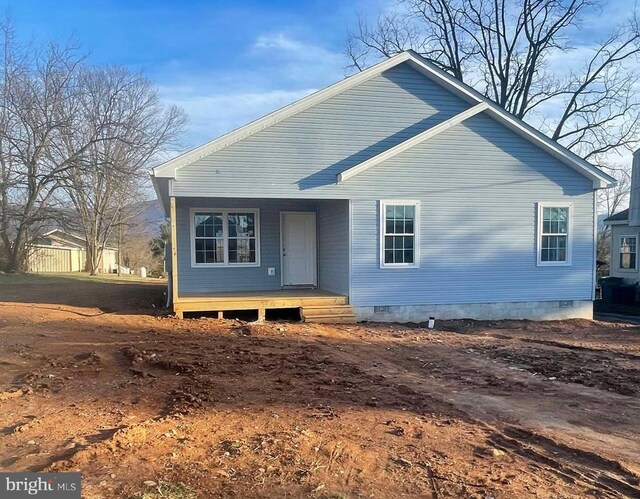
119	248
93	258
17	254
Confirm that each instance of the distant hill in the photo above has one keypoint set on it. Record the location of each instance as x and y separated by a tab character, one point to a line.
152	217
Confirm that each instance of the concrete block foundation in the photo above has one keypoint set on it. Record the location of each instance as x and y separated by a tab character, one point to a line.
533	310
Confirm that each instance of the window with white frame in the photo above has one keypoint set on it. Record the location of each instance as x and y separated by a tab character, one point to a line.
628	248
399	230
554	243
225	237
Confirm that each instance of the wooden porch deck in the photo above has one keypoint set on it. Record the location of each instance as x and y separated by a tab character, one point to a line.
315	304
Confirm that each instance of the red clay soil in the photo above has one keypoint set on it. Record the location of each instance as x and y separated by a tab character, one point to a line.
94	378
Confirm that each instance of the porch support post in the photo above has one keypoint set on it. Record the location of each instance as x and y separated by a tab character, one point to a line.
174	256
261	314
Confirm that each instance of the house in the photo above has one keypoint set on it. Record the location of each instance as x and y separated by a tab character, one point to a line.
396	194
59	251
625	230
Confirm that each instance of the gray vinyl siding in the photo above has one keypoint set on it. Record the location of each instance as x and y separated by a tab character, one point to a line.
333	245
617	231
212	279
301	156
478	184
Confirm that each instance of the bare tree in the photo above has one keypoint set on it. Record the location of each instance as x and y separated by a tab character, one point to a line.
616	198
109	179
8	178
72	137
35	87
503	49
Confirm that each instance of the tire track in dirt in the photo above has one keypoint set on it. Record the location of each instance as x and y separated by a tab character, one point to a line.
570	464
589	468
566	346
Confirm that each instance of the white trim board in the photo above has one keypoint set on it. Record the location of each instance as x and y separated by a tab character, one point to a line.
413	141
599	178
48	246
594	239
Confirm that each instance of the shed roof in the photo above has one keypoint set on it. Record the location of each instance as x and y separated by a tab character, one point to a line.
621	216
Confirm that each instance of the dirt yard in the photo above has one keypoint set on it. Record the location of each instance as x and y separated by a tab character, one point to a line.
94	377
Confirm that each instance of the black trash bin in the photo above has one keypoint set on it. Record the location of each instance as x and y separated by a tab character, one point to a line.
608	284
624	294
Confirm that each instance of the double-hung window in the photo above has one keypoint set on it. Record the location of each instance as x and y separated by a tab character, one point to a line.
225	237
399	233
628	252
554	234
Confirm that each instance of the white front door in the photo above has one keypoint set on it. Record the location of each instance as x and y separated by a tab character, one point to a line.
298	248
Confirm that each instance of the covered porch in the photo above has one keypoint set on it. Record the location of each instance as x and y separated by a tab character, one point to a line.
261	255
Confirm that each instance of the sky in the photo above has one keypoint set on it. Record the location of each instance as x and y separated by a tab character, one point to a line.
229	62
224	62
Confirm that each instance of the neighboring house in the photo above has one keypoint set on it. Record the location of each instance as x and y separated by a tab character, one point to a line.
394	195
625	231
59	251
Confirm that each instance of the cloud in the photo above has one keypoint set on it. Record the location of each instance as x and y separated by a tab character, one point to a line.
601	21
219	112
274	70
278	41
297	61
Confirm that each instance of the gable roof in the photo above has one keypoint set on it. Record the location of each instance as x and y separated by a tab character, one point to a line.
67	237
599	178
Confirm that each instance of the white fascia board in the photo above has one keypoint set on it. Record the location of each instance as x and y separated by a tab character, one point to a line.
50	246
413	141
449	82
169	168
156	187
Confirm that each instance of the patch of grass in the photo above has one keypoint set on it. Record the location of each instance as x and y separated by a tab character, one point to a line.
9	279
13	279
167	490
